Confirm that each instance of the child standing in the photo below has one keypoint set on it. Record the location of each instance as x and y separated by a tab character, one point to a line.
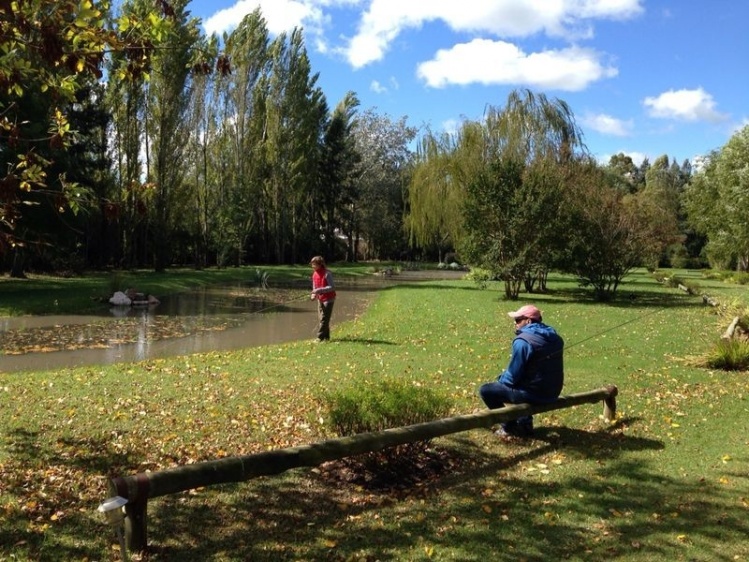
323	289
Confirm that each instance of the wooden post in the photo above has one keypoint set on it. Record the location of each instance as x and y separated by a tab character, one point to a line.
728	334
138	488
609	404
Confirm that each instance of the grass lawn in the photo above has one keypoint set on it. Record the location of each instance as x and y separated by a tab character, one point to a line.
668	481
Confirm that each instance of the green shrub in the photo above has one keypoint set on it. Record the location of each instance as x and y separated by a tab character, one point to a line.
730	355
693	288
383	405
479	276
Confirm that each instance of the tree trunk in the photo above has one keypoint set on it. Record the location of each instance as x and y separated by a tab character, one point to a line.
16	270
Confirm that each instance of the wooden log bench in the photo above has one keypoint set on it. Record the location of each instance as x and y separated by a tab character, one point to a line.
137	489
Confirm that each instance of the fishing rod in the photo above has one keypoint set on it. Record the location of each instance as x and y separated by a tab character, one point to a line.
283	303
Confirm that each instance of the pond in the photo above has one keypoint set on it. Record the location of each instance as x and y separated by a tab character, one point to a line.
216	318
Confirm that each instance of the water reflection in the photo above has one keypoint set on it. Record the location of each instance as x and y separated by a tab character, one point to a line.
216	318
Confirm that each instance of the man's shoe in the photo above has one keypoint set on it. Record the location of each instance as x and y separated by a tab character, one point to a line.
524	430
503	435
514	432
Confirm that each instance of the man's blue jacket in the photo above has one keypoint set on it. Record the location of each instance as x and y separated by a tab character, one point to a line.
537	364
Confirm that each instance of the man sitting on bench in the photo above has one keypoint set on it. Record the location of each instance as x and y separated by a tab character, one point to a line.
535	374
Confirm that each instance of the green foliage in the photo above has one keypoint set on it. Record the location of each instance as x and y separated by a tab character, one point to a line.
605	237
740	278
51	52
116	281
730	355
501	211
382	405
717	203
479	276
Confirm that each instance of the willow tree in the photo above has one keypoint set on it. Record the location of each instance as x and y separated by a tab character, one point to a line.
532	132
435	193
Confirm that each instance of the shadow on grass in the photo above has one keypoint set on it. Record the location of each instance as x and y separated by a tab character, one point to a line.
622	506
368	341
49	496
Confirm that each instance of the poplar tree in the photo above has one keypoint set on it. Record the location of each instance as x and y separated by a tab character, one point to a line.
242	167
168	96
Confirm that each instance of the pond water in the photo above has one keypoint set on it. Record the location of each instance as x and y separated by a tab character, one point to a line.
217	318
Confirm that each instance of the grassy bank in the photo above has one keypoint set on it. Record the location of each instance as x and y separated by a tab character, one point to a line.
668	481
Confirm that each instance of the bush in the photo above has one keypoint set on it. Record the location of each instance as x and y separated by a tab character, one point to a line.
730	355
480	276
383	405
740	278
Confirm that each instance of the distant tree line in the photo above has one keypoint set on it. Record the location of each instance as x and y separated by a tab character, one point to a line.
132	140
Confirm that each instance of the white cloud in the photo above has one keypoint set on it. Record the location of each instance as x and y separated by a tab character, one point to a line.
386	19
496	62
637	157
377	88
279	15
684	105
744	123
451	126
607	125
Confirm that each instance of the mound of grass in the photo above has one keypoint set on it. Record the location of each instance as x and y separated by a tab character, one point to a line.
729	355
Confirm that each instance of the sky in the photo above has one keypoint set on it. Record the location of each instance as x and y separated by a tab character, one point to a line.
644	78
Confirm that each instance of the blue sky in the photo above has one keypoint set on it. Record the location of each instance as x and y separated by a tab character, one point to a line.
642	77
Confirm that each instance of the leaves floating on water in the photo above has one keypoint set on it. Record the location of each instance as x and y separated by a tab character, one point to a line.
107	334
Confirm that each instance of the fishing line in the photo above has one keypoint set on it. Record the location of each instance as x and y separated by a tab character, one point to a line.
607	330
